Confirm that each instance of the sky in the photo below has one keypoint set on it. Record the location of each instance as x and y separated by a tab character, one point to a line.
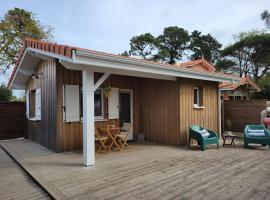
108	25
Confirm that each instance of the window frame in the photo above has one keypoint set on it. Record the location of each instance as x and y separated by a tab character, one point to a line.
197	104
199	96
100	117
31	112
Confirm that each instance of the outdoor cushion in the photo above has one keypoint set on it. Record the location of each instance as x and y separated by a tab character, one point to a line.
256	133
204	133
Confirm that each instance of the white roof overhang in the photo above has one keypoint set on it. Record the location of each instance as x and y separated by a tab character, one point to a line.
107	63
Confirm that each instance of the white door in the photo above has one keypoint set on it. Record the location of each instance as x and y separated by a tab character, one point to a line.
126	109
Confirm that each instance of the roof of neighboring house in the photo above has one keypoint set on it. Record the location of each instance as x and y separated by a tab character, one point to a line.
198	67
200	64
246	81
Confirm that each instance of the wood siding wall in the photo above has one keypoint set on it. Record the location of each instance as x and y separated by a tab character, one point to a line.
44	131
160	110
206	117
12	120
69	135
243	112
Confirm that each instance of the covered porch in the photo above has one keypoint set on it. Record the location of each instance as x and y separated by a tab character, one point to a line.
161	96
150	171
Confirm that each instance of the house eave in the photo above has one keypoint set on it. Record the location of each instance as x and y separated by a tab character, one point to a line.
88	58
82	59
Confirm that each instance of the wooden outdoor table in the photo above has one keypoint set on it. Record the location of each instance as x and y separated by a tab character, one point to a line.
230	136
112	135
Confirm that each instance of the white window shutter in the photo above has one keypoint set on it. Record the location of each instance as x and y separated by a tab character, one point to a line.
38	104
27	104
113	104
71	103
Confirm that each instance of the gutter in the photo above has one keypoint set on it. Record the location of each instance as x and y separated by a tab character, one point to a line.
85	57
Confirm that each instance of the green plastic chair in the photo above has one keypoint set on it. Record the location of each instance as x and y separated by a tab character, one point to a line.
264	140
203	141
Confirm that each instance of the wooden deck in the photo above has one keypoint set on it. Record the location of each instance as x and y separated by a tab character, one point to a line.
150	171
15	183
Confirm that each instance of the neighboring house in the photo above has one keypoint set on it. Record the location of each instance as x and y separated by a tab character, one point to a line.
65	96
238	91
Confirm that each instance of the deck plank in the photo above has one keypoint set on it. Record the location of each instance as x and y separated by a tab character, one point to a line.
151	171
15	183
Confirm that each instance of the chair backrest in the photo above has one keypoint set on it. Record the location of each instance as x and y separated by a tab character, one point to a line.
126	127
255	127
97	133
196	128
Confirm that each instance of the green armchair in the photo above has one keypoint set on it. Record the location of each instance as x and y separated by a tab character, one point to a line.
264	140
202	141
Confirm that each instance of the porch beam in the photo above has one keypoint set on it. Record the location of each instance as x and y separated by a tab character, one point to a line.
101	80
88	118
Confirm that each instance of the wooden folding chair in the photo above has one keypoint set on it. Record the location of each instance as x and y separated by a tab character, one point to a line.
113	135
123	136
100	140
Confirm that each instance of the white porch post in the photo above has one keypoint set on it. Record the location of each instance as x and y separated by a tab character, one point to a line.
88	118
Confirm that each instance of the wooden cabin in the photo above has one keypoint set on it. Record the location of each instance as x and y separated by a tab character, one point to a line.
238	91
65	96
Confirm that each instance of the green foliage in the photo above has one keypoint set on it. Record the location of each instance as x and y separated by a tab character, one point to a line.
264	84
251	53
224	65
125	53
204	46
5	93
265	16
144	46
228	125
16	25
172	43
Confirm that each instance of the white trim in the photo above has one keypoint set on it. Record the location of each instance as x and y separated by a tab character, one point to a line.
117	62
95	61
88	118
101	80
219	111
101	117
198	98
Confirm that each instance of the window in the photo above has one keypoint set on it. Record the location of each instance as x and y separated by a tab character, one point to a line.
98	104
33	104
99	107
198	97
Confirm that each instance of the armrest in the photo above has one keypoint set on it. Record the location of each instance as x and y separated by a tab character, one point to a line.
213	134
267	132
246	132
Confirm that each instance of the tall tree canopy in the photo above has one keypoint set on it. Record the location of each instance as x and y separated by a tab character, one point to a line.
172	43
266	18
16	25
251	53
204	46
144	46
5	93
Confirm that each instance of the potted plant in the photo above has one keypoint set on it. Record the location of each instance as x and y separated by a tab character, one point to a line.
228	126
107	91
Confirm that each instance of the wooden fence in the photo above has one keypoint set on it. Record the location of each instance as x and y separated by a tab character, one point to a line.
12	120
242	112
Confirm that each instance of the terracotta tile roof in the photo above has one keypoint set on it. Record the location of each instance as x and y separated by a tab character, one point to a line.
45	46
243	81
201	65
